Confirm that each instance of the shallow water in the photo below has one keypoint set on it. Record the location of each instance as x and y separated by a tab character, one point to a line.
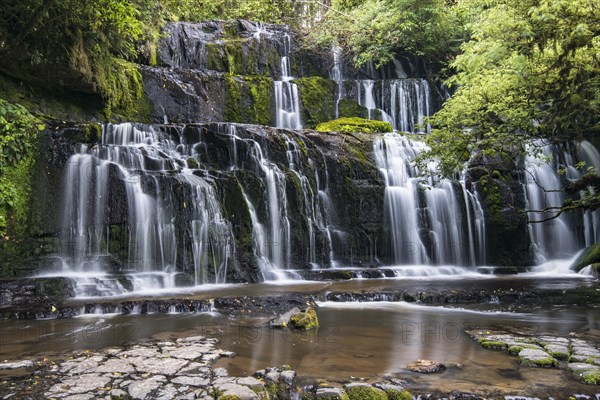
364	340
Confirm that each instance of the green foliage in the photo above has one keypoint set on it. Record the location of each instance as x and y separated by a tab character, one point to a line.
375	30
355	125
365	393
18	134
531	69
277	11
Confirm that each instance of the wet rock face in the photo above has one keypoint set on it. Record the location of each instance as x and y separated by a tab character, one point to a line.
237	47
171	369
498	184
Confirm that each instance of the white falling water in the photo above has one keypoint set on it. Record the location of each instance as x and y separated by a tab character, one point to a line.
337	75
273	243
393	155
404	103
561	237
287	98
426	222
140	160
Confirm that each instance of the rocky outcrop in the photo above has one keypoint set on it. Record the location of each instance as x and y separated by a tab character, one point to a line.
498	183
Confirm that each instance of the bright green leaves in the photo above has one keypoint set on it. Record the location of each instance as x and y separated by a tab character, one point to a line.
530	69
18	129
375	30
18	134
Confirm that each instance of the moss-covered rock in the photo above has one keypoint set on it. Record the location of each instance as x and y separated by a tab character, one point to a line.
494	345
229	397
317	96
585	373
589	256
354	125
398	395
248	99
350	108
365	392
306	320
536	358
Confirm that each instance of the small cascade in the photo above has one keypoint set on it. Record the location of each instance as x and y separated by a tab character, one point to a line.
427	223
337	75
546	174
287	98
139	161
272	235
404	103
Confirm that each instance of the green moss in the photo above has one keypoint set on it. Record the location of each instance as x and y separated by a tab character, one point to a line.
397	395
229	397
317	96
352	125
491	191
591	377
248	99
494	345
192	163
122	88
591	255
350	108
306	320
366	393
545	362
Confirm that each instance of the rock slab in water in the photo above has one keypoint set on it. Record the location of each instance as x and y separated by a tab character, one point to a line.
178	369
426	366
536	358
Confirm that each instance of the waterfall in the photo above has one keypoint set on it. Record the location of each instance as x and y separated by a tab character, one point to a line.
426	222
140	160
337	75
287	98
272	233
404	103
544	184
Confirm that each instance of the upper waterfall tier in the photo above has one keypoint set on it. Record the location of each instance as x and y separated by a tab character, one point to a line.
241	71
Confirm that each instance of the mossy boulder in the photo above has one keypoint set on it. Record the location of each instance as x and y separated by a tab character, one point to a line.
317	96
365	392
589	256
494	345
586	373
355	125
536	358
306	320
394	394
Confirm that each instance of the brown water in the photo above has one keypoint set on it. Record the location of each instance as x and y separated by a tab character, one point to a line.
366	340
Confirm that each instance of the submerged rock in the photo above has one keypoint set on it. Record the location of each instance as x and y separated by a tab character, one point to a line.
426	366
